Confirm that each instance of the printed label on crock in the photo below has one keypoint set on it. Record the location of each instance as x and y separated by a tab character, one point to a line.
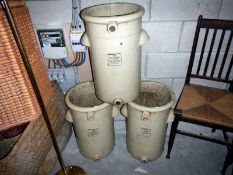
93	132
145	132
114	59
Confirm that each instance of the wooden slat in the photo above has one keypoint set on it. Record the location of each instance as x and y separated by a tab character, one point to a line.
229	68
203	137
217	54
210	51
217	24
225	55
202	51
210	78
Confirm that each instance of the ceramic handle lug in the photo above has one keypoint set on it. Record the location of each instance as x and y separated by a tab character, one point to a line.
91	116
145	115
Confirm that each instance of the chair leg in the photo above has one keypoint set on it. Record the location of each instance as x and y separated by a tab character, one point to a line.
213	129
228	160
226	138
172	136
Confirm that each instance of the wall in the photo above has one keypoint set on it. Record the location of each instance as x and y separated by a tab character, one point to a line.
169	23
57	14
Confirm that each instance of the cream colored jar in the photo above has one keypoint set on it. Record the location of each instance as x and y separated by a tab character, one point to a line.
146	120
114	37
92	121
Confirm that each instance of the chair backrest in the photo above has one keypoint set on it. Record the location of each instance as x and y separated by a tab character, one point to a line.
211	56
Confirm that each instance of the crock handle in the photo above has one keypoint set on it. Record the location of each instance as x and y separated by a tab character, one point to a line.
68	116
85	40
124	111
144	38
171	116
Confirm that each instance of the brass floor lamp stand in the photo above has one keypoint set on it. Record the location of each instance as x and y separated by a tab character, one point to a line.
67	170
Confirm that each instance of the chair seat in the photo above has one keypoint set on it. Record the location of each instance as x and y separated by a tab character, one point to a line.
206	104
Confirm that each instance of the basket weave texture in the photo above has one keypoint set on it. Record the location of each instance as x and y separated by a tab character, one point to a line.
206	104
33	153
18	103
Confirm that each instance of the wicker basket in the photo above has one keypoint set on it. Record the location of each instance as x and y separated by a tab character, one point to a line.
33	153
18	103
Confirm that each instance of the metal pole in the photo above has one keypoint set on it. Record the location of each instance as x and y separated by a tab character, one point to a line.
10	19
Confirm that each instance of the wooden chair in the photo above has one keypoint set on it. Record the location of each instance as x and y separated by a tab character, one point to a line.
202	105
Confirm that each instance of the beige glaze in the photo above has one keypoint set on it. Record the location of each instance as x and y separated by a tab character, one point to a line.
92	121
114	37
146	120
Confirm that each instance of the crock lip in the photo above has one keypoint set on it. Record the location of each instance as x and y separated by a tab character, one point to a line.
83	109
158	108
107	19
